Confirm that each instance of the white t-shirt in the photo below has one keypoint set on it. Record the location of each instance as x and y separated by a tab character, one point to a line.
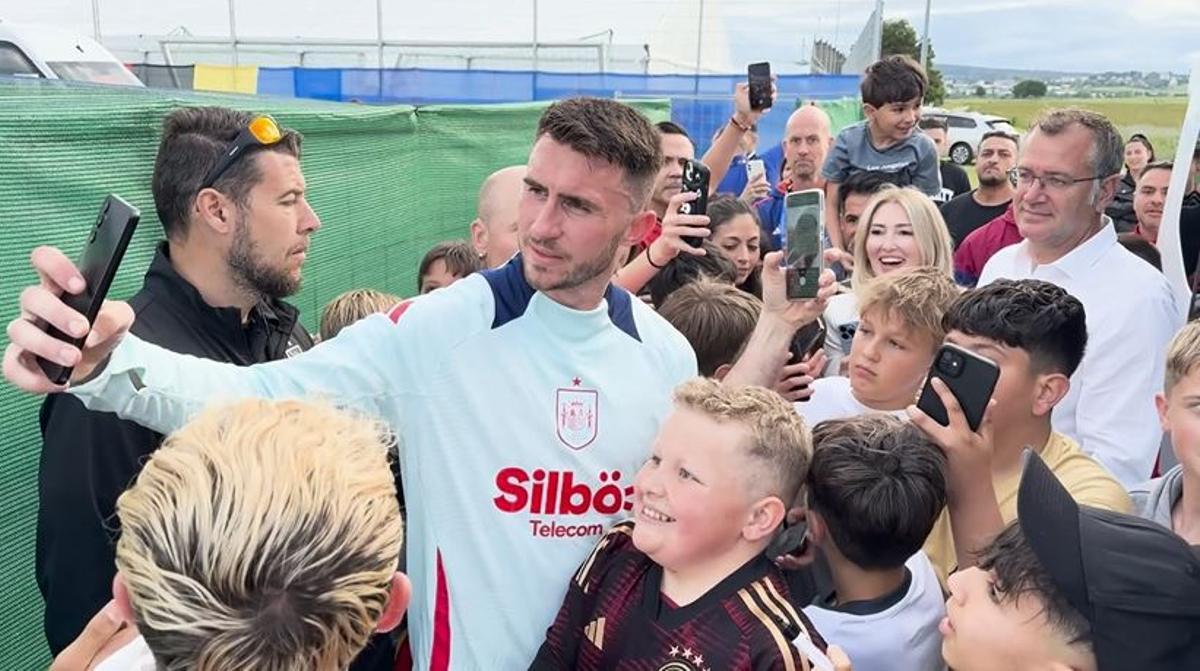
902	636
521	424
133	656
832	398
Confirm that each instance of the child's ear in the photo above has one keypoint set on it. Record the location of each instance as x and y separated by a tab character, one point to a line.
1161	403
1048	390
721	371
765	518
869	110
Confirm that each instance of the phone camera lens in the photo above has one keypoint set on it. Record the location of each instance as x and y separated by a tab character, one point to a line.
951	364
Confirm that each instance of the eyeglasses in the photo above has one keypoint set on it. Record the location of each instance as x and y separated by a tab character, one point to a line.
1026	178
262	131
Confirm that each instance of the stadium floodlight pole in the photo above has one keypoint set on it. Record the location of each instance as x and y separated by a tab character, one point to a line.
878	29
925	37
96	19
233	33
699	45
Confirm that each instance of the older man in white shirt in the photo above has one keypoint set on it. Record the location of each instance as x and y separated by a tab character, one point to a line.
1066	175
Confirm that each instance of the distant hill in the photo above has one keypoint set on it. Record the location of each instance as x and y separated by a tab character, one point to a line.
974	73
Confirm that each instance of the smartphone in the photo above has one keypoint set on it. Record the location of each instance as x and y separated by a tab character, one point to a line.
759	76
755	167
102	254
695	179
808	340
805	215
970	377
790	540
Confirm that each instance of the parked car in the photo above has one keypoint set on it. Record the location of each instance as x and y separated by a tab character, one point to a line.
966	131
45	52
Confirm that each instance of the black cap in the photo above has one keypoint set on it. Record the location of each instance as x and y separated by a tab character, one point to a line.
1136	582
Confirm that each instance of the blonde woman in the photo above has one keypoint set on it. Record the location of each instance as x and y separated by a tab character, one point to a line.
899	228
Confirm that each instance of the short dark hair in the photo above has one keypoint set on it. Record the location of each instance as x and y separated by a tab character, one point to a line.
893	79
1144	141
879	484
931	122
671	128
460	258
1019	572
1141	248
715	317
689	267
1011	137
608	131
1036	316
1157	165
193	140
865	183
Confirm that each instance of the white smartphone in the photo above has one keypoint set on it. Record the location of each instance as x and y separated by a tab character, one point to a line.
805	225
754	168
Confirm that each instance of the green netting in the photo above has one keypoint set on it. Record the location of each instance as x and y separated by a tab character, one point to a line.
387	182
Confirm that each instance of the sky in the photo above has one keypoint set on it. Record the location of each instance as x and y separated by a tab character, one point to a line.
1069	35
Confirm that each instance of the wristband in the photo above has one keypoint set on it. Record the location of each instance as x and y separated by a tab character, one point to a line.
738	125
651	261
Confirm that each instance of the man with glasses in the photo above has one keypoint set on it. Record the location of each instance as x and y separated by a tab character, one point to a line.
1066	175
230	196
995	159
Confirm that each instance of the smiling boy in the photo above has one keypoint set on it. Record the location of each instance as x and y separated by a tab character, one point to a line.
685	580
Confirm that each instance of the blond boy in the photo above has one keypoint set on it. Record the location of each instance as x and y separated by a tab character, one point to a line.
351	306
1173	500
685	580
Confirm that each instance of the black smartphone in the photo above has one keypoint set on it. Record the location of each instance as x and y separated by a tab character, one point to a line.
972	379
695	180
98	263
759	76
809	339
790	540
805	214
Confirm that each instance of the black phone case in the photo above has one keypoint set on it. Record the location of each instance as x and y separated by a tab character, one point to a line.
98	263
789	541
759	77
695	180
972	386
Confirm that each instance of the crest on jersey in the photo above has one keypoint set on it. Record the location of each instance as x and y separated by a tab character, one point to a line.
577	413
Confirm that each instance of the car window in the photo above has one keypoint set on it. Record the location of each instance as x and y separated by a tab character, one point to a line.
960	122
14	62
98	72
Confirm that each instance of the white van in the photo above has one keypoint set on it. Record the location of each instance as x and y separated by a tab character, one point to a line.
44	52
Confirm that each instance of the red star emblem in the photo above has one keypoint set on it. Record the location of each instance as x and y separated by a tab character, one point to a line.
576	381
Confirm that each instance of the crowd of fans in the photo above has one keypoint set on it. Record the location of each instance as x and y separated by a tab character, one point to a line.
614	448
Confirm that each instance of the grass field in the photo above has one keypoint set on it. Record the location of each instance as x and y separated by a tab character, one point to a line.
1160	119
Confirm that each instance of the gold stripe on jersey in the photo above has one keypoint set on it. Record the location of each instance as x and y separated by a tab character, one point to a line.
595	633
770	603
581	575
785	646
787	607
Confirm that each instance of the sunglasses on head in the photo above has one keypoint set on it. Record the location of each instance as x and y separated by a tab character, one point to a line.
262	131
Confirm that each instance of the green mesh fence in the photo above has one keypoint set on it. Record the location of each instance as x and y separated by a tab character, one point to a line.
387	182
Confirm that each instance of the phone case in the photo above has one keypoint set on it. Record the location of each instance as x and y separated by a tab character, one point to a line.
98	263
970	377
759	77
805	212
695	180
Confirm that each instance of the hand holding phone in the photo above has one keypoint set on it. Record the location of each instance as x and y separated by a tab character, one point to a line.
695	180
98	263
969	376
755	168
805	214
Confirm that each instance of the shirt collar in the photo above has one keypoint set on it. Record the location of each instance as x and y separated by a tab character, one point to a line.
1078	261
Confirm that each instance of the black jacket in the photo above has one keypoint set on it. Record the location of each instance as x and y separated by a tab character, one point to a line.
89	458
1121	207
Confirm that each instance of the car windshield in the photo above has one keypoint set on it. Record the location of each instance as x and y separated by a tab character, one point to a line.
98	72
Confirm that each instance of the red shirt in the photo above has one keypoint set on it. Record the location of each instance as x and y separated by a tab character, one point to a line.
982	243
1145	235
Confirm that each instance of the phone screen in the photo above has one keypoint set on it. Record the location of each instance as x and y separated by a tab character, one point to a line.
804	212
759	77
754	168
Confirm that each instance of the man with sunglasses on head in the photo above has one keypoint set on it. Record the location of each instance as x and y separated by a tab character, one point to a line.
1067	173
230	195
996	157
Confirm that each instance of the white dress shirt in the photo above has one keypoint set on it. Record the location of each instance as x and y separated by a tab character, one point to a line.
1131	317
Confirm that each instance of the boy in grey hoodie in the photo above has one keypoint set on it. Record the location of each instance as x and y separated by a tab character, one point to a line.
1173	500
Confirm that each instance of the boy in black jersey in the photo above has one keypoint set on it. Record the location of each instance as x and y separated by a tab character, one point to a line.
684	584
